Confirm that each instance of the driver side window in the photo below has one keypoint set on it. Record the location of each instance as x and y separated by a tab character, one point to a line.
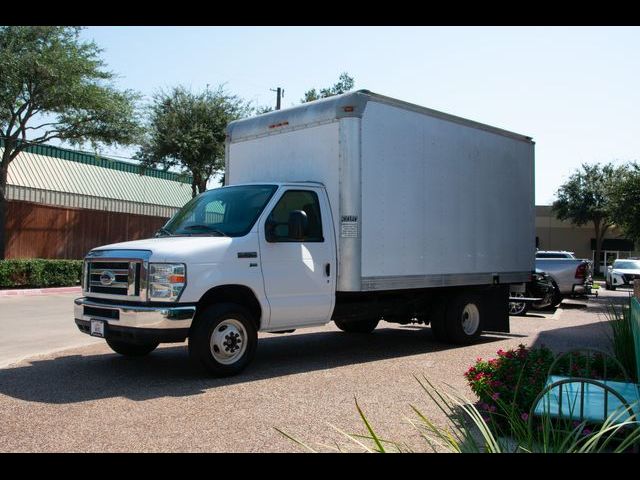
277	224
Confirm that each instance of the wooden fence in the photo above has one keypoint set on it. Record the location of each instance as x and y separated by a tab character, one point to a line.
43	231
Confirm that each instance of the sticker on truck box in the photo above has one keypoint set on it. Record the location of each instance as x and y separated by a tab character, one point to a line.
349	226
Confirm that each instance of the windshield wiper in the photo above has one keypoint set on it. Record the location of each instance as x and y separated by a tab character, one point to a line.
208	228
165	231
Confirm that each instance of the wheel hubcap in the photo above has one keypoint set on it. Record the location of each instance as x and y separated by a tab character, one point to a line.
228	341
470	319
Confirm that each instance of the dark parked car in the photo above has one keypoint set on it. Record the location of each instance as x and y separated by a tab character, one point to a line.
540	287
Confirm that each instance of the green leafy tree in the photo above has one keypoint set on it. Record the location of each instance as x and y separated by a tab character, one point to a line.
344	84
55	86
187	131
587	198
625	201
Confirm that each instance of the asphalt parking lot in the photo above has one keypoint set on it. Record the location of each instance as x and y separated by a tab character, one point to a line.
86	398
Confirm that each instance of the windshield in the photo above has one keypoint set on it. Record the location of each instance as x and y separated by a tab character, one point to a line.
226	211
627	264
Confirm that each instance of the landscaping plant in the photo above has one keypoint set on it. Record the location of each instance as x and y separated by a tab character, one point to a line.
39	273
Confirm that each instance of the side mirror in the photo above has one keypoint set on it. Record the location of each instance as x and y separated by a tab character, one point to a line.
298	225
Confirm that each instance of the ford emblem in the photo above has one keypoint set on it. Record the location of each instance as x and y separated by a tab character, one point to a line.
107	278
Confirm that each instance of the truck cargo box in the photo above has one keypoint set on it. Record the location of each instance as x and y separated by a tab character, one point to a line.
419	198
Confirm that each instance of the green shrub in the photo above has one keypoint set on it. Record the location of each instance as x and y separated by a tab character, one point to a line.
514	378
39	273
622	342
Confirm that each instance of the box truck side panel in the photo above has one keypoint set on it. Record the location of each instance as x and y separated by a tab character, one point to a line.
443	203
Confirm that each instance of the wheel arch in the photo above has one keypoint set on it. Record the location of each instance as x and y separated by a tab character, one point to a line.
239	294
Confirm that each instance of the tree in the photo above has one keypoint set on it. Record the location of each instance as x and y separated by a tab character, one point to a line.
625	201
52	85
586	197
187	130
344	84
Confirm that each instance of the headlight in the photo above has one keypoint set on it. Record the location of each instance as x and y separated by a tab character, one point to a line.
166	281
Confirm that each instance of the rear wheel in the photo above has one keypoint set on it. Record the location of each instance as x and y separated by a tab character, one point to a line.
465	317
358	326
556	299
223	339
130	349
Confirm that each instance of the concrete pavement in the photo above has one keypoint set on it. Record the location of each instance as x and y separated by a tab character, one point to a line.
88	399
34	325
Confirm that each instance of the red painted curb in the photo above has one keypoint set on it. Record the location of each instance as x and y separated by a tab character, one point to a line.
39	291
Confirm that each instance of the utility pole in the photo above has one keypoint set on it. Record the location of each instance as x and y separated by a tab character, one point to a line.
280	93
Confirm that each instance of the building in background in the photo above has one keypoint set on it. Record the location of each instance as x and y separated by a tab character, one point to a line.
63	203
554	234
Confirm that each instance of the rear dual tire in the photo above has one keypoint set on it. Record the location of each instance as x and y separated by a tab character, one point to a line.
458	320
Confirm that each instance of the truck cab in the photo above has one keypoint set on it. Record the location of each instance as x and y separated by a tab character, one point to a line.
266	250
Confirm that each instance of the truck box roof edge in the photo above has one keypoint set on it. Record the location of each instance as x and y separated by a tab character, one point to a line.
350	104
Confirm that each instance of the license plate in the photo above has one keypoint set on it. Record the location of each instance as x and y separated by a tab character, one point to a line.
97	328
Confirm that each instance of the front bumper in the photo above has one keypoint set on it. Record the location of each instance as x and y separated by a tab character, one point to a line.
161	323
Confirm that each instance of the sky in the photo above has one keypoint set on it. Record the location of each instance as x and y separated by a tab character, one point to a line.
574	90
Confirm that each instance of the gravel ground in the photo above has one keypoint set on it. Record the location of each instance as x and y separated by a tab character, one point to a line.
89	399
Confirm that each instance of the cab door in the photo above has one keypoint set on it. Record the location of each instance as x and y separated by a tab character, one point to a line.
299	273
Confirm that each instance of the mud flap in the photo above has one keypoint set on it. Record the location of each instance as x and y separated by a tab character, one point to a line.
496	307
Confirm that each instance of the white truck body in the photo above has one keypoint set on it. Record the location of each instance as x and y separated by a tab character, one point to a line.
352	209
419	198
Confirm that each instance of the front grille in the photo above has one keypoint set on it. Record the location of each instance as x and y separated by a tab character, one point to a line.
122	278
629	277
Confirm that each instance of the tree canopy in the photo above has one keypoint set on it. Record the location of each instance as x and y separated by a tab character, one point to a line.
55	86
587	197
344	84
186	130
625	202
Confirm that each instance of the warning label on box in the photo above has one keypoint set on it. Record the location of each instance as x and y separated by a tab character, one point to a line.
349	226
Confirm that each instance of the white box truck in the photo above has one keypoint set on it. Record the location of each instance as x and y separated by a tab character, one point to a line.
351	209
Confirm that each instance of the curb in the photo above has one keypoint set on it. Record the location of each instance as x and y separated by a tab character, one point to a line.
39	291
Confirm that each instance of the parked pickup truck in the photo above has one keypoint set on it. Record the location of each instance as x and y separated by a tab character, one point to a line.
570	276
349	209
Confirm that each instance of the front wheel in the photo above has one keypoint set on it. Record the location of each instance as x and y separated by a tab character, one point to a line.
130	349
223	339
465	317
358	326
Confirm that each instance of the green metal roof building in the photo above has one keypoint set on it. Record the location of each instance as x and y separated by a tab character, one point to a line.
63	202
67	178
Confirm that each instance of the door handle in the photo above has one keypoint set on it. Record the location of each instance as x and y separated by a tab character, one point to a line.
327	269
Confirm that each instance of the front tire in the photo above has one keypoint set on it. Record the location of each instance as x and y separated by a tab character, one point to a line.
223	339
465	318
130	349
358	326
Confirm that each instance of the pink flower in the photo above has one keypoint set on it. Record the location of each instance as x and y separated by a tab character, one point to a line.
495	396
586	432
524	416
